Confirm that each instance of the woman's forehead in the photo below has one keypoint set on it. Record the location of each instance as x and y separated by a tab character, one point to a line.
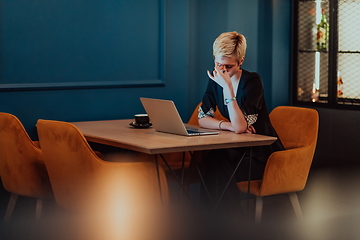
226	60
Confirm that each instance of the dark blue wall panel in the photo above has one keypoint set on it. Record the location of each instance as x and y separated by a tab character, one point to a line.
91	60
281	62
64	43
265	51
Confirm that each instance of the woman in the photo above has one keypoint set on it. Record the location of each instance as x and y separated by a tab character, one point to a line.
239	96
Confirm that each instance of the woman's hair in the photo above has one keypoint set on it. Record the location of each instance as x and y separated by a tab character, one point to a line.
229	43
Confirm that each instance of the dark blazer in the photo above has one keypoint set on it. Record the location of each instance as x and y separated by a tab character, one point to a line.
251	100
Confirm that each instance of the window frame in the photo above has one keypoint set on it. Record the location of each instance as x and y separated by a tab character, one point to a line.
332	99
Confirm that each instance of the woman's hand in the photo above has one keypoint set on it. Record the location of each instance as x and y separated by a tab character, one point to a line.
221	77
237	122
250	129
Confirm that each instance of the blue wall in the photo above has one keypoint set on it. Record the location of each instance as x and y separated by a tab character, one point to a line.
77	61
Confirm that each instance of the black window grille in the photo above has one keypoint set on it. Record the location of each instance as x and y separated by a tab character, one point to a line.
328	77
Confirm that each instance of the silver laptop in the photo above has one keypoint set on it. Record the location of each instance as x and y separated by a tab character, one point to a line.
165	118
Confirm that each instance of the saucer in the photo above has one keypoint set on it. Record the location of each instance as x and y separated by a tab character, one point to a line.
139	125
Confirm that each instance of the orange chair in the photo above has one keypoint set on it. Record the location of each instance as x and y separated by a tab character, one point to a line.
22	168
82	181
194	117
287	171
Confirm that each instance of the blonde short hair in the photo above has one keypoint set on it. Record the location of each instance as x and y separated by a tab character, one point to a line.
229	43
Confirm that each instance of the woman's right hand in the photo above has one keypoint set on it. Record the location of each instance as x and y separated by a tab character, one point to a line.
220	76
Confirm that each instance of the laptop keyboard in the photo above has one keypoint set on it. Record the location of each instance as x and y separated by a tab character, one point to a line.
196	131
192	131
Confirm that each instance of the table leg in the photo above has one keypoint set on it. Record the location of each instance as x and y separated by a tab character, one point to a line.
249	179
182	173
222	194
249	170
202	181
158	174
181	185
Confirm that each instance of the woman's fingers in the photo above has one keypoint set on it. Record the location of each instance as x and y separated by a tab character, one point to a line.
217	74
214	77
210	76
250	129
218	69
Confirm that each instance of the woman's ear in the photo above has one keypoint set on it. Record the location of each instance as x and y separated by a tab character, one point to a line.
241	61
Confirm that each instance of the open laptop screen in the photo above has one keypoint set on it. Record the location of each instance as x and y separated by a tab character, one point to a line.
165	118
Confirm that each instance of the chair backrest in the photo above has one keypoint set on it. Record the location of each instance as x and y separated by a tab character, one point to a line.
76	173
287	171
194	117
22	168
295	126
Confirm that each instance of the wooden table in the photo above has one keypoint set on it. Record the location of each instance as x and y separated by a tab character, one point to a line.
120	134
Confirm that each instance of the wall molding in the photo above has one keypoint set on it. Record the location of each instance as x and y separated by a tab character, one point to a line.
81	85
104	84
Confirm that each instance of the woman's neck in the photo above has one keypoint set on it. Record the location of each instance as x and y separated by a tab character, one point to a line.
235	79
236	76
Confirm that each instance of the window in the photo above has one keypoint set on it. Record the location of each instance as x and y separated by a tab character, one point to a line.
327	75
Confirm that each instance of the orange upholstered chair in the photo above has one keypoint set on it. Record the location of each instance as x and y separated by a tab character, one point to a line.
194	117
82	181
287	171
22	168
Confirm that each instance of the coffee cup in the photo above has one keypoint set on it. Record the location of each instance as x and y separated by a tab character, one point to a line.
142	119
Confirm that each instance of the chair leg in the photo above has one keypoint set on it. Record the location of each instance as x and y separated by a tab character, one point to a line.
10	207
38	208
258	209
296	205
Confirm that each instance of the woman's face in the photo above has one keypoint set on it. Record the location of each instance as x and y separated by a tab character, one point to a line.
230	64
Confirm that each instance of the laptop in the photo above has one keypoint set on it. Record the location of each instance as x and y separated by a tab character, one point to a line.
165	118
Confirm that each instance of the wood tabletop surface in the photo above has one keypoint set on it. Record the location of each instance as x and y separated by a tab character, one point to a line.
119	133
